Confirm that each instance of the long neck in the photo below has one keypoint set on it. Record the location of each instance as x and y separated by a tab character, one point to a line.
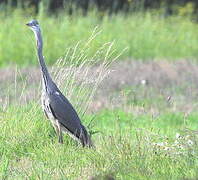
44	70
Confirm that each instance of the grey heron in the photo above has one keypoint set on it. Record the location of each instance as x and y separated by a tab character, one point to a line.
56	106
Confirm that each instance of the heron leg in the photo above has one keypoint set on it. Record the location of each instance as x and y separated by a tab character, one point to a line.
55	128
59	132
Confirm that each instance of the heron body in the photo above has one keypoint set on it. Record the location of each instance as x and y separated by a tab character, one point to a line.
56	106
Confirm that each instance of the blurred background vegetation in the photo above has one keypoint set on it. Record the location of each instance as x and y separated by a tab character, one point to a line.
148	29
170	7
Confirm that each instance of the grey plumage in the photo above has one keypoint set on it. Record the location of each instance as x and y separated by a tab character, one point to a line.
55	105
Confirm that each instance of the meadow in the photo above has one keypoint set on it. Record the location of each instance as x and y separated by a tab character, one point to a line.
141	130
146	36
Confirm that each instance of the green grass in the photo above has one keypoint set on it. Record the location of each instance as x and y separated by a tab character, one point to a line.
147	36
124	147
128	145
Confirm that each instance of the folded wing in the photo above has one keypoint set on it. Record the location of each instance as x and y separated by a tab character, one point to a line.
64	112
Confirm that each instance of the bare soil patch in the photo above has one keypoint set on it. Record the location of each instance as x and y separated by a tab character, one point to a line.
175	83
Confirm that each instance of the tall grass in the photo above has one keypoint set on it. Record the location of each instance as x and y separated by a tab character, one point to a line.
147	36
129	146
77	75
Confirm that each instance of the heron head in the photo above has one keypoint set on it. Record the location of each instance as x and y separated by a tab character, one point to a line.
34	25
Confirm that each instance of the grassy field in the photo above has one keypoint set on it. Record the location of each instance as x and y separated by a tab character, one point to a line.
145	137
142	135
146	36
127	147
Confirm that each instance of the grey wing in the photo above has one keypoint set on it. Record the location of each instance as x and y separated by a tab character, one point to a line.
64	112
